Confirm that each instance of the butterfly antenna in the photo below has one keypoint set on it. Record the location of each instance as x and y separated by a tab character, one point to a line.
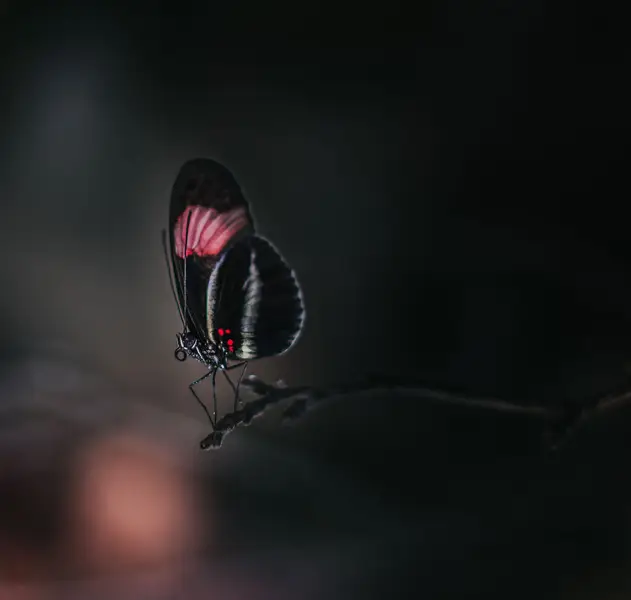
166	259
188	222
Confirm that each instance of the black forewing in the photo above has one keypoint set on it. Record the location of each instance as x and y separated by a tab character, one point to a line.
190	279
198	270
256	295
204	182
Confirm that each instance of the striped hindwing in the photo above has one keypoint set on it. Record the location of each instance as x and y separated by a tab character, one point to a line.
254	301
208	213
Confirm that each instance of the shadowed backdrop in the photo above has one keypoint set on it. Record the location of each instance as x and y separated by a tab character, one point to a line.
449	186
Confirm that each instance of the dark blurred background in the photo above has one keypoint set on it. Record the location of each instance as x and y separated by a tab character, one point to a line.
449	182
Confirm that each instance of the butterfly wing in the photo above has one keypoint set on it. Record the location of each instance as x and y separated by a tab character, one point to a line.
254	301
208	212
205	183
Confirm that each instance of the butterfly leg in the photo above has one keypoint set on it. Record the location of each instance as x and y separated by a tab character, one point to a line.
236	389
243	364
199	401
214	397
236	395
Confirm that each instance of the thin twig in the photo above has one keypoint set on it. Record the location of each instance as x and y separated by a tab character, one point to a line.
305	398
560	422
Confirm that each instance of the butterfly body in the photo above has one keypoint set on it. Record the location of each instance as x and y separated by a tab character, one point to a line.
238	298
207	353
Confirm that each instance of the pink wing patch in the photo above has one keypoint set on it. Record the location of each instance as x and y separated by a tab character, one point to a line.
209	231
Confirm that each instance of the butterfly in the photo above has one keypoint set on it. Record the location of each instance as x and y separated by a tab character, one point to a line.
236	295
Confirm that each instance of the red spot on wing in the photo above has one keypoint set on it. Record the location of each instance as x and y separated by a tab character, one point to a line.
209	231
230	342
220	331
228	332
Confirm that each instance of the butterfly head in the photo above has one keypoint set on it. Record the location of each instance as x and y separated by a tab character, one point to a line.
186	345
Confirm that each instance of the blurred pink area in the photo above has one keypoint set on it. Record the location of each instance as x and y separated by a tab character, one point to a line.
93	493
119	514
128	507
104	496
